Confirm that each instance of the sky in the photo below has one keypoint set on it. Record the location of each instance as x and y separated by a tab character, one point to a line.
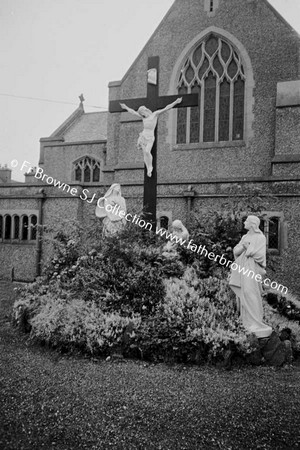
54	50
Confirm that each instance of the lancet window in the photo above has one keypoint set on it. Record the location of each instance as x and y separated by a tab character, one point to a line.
270	228
214	70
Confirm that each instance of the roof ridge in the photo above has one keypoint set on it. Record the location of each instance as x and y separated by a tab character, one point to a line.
96	112
59	132
280	17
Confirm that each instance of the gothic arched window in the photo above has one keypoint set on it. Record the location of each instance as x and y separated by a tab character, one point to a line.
215	70
87	170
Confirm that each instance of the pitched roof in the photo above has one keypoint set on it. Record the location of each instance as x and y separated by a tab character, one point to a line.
82	126
165	18
60	131
88	127
282	19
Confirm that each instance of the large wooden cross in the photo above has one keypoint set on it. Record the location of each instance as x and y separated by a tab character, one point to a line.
153	102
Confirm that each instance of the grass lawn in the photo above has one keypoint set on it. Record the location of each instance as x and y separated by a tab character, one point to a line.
50	401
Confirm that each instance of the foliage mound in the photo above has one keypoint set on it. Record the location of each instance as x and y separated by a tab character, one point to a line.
122	294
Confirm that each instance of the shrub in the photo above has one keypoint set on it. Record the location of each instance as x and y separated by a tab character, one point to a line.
288	305
194	315
75	324
279	323
176	308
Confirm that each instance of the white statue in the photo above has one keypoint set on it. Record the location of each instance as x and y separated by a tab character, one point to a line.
250	255
146	137
112	209
182	234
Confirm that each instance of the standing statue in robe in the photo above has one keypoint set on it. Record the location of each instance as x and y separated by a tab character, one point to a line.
146	138
182	234
109	209
250	253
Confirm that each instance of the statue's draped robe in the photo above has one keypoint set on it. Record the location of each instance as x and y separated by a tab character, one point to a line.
106	210
169	249
246	287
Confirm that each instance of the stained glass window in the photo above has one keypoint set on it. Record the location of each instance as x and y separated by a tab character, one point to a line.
96	173
215	69
224	111
78	174
238	110
87	174
195	117
86	170
209	108
181	119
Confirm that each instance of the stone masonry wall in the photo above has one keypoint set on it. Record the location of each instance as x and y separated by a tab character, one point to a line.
58	159
273	51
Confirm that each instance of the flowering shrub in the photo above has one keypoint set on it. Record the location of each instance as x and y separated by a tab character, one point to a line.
288	305
194	314
279	323
31	298
176	308
69	324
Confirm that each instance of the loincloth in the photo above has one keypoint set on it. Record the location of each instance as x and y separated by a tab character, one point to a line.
143	140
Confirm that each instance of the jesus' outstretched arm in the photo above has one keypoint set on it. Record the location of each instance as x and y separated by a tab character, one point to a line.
170	106
130	110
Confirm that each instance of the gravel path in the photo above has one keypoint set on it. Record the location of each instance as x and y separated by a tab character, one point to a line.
53	402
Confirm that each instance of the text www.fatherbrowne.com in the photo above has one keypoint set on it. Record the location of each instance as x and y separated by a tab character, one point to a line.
200	249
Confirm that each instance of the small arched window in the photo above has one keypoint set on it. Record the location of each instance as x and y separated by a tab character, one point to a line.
164	222
24	228
16	227
7	227
215	71
87	170
33	228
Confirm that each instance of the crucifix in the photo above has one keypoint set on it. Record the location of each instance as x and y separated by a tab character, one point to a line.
153	103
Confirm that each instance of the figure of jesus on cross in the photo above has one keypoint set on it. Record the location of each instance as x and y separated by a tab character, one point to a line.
146	138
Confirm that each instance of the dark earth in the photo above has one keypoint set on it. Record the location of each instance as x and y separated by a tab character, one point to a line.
50	401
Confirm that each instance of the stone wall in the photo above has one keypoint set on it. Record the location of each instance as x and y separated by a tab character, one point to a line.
273	51
59	158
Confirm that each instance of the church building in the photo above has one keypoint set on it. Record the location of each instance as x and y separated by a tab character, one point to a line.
236	64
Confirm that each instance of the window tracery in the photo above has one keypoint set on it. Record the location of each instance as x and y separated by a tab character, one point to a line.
87	170
215	71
